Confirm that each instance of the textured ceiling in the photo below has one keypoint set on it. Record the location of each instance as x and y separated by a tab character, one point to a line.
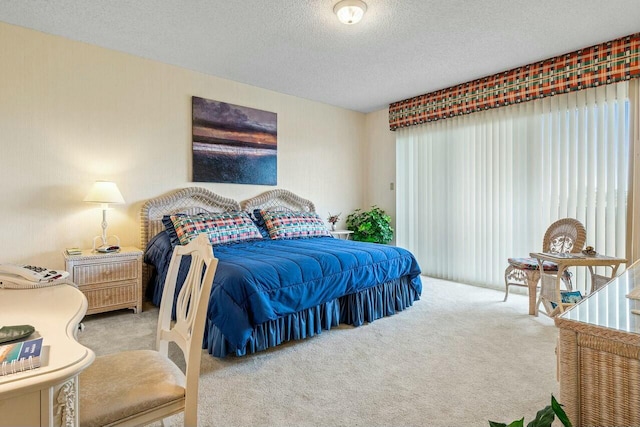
400	49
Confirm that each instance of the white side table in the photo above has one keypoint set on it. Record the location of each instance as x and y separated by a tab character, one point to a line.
341	234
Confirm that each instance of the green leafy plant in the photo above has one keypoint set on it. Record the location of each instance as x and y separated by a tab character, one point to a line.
373	225
544	417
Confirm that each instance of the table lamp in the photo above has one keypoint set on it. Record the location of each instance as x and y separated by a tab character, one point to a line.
105	193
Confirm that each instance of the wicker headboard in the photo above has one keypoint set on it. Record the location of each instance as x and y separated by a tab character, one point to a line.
194	200
191	200
278	199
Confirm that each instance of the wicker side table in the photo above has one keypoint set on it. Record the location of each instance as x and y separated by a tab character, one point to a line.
550	282
110	281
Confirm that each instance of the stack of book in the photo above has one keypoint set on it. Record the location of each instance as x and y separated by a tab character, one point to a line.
74	251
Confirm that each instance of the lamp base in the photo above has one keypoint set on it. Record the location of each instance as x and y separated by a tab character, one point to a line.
110	244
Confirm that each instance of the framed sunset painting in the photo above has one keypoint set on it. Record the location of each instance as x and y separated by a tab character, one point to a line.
233	144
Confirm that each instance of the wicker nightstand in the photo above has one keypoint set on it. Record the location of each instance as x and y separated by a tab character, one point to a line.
110	281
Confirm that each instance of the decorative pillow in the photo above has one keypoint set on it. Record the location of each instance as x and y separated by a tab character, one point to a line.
170	229
259	222
288	224
532	264
223	227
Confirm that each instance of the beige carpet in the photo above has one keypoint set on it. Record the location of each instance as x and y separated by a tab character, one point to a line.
459	356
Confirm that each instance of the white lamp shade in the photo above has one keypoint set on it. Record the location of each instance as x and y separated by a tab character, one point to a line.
350	11
104	192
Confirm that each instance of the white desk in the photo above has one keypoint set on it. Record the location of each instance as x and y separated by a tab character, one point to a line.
46	396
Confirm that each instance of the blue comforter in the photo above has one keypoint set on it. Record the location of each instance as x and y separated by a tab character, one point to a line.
263	280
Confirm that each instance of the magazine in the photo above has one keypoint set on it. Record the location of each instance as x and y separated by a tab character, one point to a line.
569	297
20	356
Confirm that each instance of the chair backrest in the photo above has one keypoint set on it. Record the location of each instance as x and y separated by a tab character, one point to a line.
191	309
566	235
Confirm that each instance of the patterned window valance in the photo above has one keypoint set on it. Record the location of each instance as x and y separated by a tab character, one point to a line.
605	63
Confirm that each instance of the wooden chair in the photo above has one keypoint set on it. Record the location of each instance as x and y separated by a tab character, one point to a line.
566	235
139	387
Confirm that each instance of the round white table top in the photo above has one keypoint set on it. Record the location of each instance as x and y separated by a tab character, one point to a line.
55	312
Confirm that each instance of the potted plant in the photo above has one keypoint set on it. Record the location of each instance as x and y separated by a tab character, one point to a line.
373	225
544	417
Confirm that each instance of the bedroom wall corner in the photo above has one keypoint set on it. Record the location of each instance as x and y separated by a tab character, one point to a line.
380	163
72	113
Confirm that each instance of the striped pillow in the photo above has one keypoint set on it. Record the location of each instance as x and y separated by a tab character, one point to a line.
223	227
287	224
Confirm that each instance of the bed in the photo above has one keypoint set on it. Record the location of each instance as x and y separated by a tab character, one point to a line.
268	291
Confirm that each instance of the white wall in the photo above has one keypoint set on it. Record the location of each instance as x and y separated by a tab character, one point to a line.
72	113
380	163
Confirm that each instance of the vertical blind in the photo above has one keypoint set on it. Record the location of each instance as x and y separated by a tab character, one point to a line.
477	189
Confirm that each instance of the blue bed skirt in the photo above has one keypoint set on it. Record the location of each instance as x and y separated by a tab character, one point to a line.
365	306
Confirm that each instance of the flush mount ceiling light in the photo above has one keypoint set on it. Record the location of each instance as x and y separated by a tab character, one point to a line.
350	11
